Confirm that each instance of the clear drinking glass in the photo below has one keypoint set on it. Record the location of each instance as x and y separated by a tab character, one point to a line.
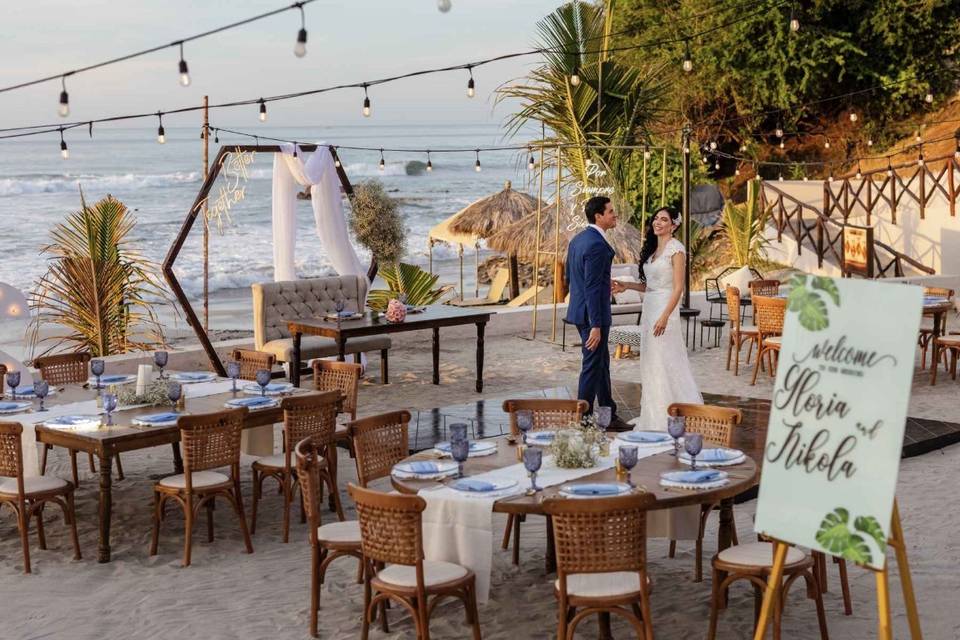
97	367
263	379
160	359
233	371
693	443
676	427
40	389
13	381
604	417
524	422
174	390
532	459
460	450
458	431
109	404
339	306
628	459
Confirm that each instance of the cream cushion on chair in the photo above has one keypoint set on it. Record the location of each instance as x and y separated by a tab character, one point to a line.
434	572
775	340
748	328
320	347
601	585
346	531
757	554
35	484
200	479
277	461
741	279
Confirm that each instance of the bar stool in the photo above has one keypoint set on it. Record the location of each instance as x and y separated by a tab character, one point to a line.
714	329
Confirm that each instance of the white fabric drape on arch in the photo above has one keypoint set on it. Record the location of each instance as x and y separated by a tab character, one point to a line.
319	173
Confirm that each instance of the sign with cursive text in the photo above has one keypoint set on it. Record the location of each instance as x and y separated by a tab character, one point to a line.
583	191
857	245
838	414
232	191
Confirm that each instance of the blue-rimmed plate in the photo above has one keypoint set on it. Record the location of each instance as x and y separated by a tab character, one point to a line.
107	380
426	468
26	391
193	377
74	422
477	486
14	407
273	389
163	419
541	438
646	438
595	489
477	448
715	457
252	403
705	478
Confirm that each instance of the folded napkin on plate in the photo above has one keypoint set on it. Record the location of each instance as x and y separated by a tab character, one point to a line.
718	455
594	489
201	375
114	377
9	406
160	417
644	436
251	402
697	477
424	466
472	484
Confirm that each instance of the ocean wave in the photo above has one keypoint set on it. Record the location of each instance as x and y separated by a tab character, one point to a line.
62	183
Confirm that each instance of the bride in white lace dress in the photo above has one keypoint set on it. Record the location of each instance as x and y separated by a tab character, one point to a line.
664	368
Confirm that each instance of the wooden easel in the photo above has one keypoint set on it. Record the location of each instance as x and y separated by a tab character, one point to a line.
884	626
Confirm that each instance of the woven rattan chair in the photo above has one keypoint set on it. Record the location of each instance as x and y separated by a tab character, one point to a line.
601	547
547	414
766	288
949	346
394	566
327	541
28	496
739	332
309	416
379	442
3	377
716	425
770	314
209	441
752	562
925	336
252	361
329	375
68	368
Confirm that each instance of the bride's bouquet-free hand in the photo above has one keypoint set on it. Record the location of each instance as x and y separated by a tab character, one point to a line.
578	445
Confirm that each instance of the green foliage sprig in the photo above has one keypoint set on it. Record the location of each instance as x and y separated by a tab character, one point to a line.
376	223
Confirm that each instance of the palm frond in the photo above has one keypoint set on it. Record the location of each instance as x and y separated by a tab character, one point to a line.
417	285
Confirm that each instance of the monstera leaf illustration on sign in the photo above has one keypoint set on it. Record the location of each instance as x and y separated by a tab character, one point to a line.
836	537
810	303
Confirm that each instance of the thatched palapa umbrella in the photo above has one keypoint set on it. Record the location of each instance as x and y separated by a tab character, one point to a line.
487	216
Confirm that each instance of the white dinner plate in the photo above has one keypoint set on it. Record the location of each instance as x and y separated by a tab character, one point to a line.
595	489
273	389
108	379
193	377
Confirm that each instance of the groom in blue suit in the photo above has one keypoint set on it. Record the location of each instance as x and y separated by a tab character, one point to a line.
589	257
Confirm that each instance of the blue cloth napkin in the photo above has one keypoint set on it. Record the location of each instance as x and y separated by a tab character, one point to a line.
9	406
25	391
644	436
696	477
113	377
472	484
250	402
279	386
596	489
422	466
543	436
193	376
161	417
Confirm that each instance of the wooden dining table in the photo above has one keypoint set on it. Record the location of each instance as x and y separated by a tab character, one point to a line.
645	476
109	441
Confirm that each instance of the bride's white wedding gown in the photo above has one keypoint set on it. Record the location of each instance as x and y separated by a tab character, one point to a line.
666	378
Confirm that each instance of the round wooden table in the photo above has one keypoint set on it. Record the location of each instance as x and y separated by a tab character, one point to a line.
646	476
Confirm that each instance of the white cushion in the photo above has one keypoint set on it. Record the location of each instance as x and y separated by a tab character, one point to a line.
757	554
601	585
740	279
624	271
35	484
748	328
775	340
348	531
278	461
434	572
200	479
629	296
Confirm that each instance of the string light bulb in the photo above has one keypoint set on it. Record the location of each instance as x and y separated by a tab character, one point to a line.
476	166
64	152
429	163
687	59
780	177
263	110
300	49
920	160
826	144
794	22
853	116
917	137
471	86
869	142
443	6
781	144
575	77
743	148
716	165
859	172
889	168
336	157
161	136
778	131
713	145
216	136
646	153
383	164
64	109
531	164
184	72
366	102
737	171
928	98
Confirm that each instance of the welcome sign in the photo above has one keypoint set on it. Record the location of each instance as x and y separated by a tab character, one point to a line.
838	414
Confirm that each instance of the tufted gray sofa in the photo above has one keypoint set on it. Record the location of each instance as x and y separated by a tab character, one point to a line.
275	303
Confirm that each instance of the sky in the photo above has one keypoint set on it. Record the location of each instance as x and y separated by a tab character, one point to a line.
349	41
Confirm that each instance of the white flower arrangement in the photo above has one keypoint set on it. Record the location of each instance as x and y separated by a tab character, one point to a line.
577	446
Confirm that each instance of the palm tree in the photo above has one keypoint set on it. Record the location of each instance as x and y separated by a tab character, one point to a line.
613	104
96	288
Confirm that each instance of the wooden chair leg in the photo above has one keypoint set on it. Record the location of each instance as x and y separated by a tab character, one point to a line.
41	535
756	368
335	496
256	500
209	506
821	615
673	549
933	372
238	506
698	560
72	514
314	589
384	366
516	540
187	532
157	516
844	587
714	605
505	544
73	468
43	458
287	499
23	523
116	459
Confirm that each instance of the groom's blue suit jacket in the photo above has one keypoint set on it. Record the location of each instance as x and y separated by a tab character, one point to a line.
589	257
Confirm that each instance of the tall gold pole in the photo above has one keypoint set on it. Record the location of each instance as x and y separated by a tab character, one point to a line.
206	223
557	280
663	180
643	201
476	277
536	249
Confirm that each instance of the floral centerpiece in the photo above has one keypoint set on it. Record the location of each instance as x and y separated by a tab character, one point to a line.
155	394
578	445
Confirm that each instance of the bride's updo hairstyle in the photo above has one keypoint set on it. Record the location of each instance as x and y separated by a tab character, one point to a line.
650	238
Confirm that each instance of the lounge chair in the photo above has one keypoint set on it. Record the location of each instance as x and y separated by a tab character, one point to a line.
494	294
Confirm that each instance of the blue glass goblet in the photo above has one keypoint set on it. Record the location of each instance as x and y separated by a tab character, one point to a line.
460	451
532	460
693	443
604	417
458	431
109	404
97	367
233	371
160	359
40	389
13	381
676	427
174	391
628	460
263	379
524	423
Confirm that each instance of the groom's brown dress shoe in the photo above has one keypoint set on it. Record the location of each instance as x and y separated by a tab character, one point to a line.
617	424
